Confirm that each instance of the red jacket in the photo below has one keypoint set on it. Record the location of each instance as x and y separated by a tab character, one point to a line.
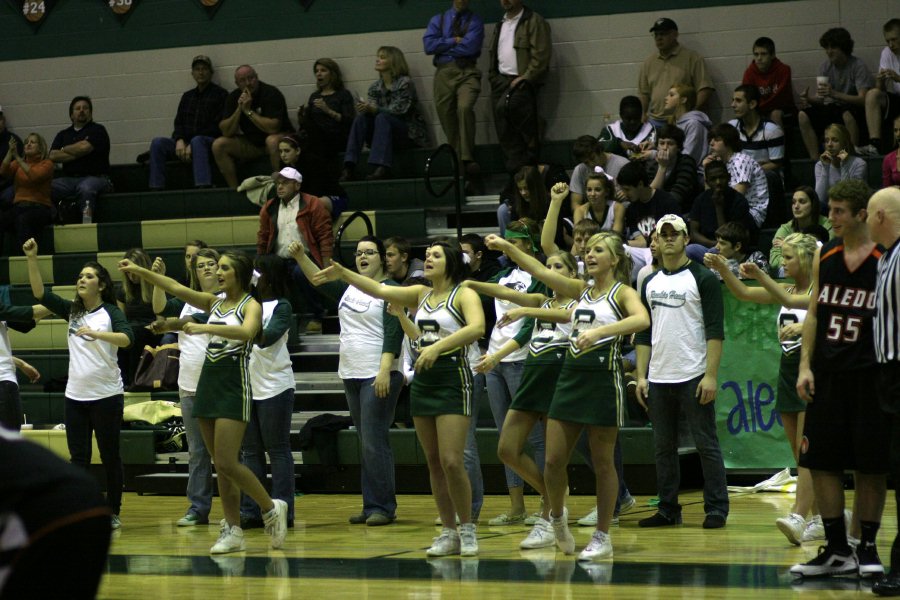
313	221
774	87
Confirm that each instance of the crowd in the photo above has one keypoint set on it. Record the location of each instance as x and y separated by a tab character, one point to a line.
598	304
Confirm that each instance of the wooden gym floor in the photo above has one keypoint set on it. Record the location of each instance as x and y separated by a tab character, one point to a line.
325	557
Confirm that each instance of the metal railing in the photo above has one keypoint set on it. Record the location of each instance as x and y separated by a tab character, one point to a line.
454	182
340	234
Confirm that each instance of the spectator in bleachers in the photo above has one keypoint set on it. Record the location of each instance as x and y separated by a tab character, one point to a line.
324	123
841	86
590	154
733	246
520	59
760	138
890	166
253	121
713	208
883	100
322	182
400	265
807	213
672	64
837	162
747	177
677	170
6	183
648	205
679	106
31	209
196	126
295	216
135	299
455	37
530	200
629	137
773	80
600	191
388	119
83	150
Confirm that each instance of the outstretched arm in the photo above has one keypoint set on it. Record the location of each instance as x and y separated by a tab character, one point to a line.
551	222
159	295
404	296
777	291
201	300
245	332
737	287
565	286
501	292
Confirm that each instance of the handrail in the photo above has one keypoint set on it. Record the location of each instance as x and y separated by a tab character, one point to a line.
340	233
457	191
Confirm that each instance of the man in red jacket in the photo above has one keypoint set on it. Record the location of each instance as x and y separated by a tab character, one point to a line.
773	78
297	217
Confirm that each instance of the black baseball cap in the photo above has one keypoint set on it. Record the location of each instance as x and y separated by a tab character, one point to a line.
664	24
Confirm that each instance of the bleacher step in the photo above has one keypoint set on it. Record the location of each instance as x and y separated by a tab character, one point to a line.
318	382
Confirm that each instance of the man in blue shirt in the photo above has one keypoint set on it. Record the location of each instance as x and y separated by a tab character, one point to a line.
455	38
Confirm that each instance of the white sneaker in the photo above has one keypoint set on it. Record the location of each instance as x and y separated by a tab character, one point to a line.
541	536
115	522
230	540
598	548
445	544
532	519
827	563
468	542
276	523
792	526
564	539
867	150
815	530
589	520
626	506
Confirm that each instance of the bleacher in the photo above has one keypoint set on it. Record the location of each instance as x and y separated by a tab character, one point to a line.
162	222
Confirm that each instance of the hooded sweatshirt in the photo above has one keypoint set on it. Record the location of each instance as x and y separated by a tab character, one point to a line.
696	126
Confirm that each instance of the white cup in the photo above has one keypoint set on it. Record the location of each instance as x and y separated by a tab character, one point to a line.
821	80
27	426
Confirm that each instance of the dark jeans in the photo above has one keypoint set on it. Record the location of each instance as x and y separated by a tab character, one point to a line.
10	405
103	418
667	400
383	132
516	121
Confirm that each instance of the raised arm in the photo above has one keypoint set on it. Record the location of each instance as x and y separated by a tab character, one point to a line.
551	222
404	296
159	295
502	292
565	286
30	249
201	300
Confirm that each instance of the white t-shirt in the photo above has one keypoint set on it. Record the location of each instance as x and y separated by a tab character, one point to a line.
891	61
362	335
520	281
507	63
271	372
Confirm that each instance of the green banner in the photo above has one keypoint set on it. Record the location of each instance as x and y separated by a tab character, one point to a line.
750	429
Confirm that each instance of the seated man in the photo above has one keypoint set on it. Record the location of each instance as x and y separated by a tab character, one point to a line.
254	120
648	205
713	208
196	126
732	241
760	138
397	262
841	88
773	80
83	150
883	101
747	177
629	136
297	217
6	183
677	171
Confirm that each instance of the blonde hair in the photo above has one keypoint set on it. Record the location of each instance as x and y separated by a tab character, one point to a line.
399	68
805	246
43	150
567	260
842	134
615	245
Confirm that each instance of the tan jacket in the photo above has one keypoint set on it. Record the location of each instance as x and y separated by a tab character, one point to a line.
533	49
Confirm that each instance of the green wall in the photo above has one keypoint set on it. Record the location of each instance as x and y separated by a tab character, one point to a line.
76	27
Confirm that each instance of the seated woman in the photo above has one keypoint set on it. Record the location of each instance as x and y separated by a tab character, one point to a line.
806	209
680	106
326	119
837	163
389	118
32	209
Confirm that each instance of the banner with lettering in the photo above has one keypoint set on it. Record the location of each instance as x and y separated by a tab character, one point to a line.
34	11
750	429
121	8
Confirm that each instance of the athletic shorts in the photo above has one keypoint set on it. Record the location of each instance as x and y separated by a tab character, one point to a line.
846	429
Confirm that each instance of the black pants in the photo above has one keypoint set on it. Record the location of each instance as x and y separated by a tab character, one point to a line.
104	418
10	405
516	122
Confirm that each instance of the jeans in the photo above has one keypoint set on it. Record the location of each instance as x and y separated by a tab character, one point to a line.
667	400
470	453
269	431
583	447
200	480
382	131
10	405
84	189
502	384
162	149
504	216
103	418
373	418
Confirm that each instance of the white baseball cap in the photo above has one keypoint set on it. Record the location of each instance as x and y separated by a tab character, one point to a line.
291	173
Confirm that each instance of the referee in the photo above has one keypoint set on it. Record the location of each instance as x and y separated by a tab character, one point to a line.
884	227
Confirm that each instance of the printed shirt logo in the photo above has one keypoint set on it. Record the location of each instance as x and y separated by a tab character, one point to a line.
670	299
356	304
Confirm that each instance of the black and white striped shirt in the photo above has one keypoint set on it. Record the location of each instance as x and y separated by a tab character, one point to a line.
887	306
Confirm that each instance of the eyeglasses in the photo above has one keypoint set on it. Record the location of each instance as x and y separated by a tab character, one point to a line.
366	253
